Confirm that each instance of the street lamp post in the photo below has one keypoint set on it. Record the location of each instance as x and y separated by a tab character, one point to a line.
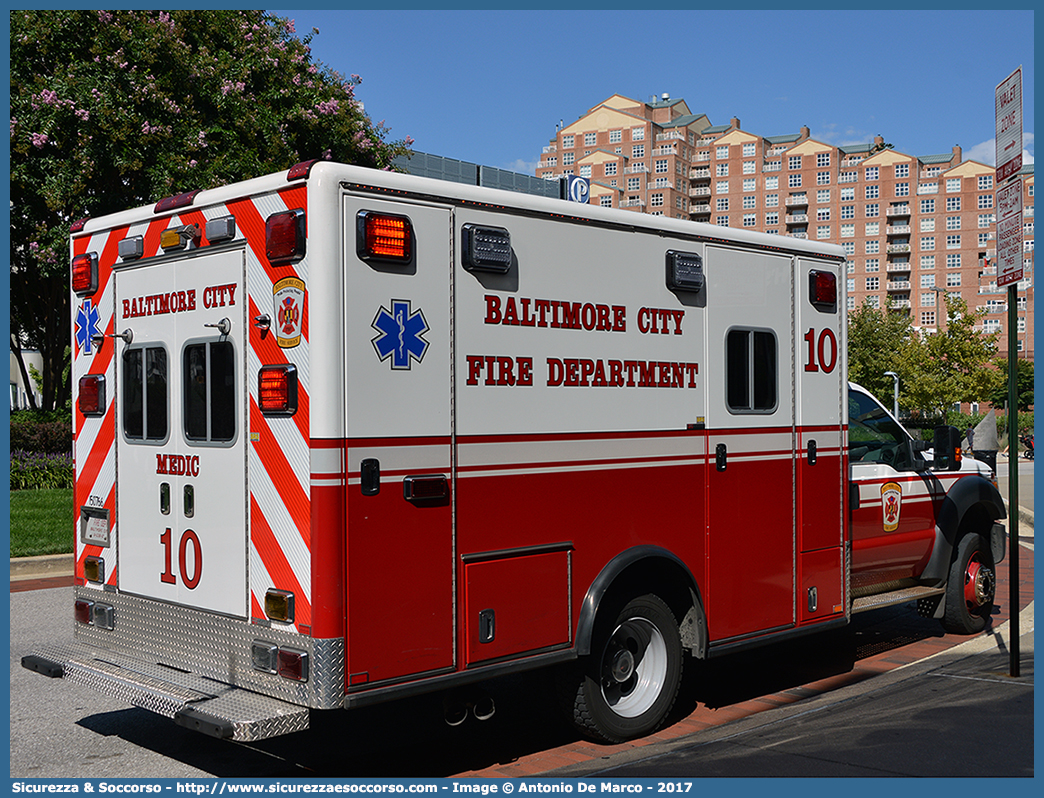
895	392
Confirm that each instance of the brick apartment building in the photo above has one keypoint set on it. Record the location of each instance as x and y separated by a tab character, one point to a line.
913	227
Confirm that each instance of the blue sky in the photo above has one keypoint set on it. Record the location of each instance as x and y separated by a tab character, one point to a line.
490	86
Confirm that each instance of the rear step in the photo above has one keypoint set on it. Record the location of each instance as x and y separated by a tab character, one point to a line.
893	597
192	701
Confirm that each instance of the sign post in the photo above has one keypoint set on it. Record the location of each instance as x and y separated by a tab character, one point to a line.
1008	105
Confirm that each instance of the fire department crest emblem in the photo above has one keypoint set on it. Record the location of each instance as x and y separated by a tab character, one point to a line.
288	299
891	504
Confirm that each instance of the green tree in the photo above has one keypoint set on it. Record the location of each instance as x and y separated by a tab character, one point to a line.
1023	384
951	365
116	109
875	338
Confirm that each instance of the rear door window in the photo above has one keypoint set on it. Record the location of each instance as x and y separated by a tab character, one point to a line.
209	400
145	402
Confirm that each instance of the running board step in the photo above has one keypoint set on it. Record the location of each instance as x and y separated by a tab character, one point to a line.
894	597
195	702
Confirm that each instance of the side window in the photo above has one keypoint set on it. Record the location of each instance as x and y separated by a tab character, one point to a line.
145	394
873	435
209	378
752	372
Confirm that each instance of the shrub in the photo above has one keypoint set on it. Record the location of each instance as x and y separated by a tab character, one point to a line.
48	433
32	470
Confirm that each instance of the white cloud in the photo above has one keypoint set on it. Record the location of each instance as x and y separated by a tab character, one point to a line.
986	152
522	166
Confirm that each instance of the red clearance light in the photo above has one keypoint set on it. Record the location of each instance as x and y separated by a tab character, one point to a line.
822	291
83	611
383	236
277	390
85	273
285	237
91	396
292	664
177	201
299	170
77	226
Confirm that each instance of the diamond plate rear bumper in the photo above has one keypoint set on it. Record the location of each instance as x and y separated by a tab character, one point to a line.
193	701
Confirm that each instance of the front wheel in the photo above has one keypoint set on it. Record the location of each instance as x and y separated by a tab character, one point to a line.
971	587
630	681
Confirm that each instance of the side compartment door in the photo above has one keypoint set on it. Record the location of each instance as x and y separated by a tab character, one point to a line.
180	486
750	431
400	488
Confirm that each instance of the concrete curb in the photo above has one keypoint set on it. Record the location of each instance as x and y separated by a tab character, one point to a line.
41	567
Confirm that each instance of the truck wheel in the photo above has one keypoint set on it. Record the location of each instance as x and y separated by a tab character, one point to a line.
971	586
631	679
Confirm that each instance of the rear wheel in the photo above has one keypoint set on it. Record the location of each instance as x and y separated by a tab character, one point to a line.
971	587
629	683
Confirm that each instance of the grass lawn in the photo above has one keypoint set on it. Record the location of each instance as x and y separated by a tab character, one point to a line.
41	522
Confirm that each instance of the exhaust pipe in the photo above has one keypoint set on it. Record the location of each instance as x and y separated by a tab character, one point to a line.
483	707
454	711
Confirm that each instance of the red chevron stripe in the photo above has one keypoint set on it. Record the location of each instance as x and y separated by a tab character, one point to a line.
276	564
96	457
253	226
281	473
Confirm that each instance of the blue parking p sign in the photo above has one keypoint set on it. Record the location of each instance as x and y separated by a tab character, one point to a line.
578	189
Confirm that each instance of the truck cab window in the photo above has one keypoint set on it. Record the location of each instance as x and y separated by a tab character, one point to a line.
209	392
145	394
873	435
751	371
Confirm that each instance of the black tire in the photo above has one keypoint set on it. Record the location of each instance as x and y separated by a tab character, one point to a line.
971	587
628	684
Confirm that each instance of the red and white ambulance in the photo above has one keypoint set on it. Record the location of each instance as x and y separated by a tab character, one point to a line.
345	435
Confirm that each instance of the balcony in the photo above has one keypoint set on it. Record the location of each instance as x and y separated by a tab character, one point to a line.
777	150
898	267
638	168
798	235
633	203
673	134
670	150
897	229
928	188
702	156
898	285
899	303
848	177
551	148
700	173
898	210
700	191
797	201
797	218
699	209
847	162
772	166
705	142
898	249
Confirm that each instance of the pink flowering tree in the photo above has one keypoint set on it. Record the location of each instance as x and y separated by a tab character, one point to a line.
115	109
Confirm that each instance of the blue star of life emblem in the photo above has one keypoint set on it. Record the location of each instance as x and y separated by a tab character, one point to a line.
400	334
87	318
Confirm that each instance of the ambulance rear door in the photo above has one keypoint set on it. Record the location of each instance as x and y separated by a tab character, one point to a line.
180	431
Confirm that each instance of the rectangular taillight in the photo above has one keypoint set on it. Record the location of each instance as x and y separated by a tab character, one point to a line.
91	395
85	273
83	611
285	237
384	237
277	390
293	664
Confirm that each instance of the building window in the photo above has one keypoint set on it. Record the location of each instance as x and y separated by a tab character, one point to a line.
822	159
771	183
927	243
822	214
615	136
873	192
873	247
750	220
848	194
661	166
985	200
928	225
928	261
567	142
873	264
927	206
722	204
634	183
722	170
928	299
585	170
749	167
848	211
656	200
985	182
590	139
953	222
794	181
823	195
953	242
953	184
848	247
638	133
823	231
794	162
772	219
822	178
749	149
750	184
721	221
872	210
991	326
606	201
568	158
772	200
902	189
721	187
927	188
932	171
984	239
927	280
953	204
928	318
873	283
662	182
750	202
872	173
847	231
638	151
902	170
873	229
721	152
953	261
610	169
